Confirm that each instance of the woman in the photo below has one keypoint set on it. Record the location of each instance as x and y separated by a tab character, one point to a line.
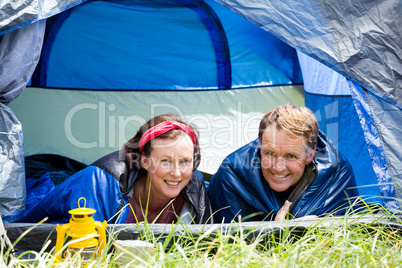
157	173
153	178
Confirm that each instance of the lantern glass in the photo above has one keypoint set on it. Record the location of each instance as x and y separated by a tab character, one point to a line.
86	255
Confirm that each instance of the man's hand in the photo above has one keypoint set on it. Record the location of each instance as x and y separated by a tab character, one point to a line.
308	217
281	215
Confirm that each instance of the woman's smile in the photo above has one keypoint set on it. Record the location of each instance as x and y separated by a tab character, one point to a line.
172	183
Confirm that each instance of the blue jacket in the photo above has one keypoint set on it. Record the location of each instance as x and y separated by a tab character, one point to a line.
239	188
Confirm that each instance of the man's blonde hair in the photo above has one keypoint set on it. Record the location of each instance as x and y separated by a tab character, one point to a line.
294	121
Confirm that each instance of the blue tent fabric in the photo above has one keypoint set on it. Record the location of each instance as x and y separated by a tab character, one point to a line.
321	80
133	51
19	14
360	40
239	188
19	54
329	96
339	119
12	176
219	39
100	190
388	119
375	144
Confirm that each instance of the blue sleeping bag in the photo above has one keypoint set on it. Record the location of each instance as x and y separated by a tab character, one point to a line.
99	188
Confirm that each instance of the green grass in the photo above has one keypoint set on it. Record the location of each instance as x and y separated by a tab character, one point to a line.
347	241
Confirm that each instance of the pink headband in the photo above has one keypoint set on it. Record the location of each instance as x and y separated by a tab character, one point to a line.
162	128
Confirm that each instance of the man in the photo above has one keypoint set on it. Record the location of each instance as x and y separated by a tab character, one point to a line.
291	168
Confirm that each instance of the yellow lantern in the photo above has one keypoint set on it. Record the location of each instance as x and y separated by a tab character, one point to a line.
82	229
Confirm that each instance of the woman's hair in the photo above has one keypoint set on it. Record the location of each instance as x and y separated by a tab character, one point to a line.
131	150
294	121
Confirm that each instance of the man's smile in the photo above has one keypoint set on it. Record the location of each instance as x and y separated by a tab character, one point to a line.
280	176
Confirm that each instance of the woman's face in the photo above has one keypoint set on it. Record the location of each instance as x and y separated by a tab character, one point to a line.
169	165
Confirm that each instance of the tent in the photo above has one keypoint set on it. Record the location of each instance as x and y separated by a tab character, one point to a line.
79	77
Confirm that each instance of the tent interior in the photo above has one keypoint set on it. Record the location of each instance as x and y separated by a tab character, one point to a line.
86	76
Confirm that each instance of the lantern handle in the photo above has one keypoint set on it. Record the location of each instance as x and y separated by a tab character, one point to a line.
85	202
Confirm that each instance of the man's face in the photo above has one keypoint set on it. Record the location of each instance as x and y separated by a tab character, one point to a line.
283	159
